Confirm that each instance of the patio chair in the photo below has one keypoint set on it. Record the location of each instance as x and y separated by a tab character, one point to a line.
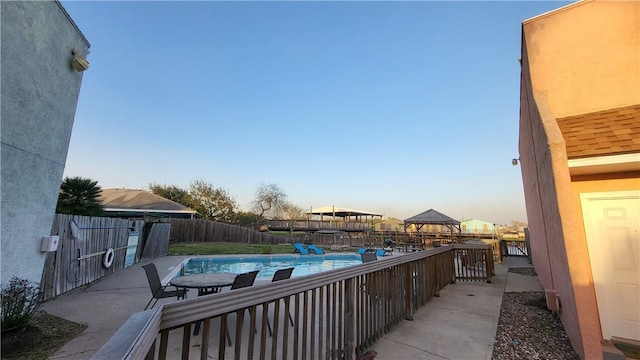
242	281
361	251
157	290
300	248
368	256
315	249
282	274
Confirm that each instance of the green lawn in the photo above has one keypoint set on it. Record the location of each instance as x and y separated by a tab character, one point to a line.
227	248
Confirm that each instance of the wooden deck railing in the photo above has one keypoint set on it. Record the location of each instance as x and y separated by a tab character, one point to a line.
336	314
319	225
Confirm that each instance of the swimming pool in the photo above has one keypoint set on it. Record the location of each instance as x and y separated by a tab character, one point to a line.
303	265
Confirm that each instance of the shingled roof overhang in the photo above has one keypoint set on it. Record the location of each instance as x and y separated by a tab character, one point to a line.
606	141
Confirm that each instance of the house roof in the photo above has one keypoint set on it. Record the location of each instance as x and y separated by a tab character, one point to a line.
140	201
602	133
431	217
340	212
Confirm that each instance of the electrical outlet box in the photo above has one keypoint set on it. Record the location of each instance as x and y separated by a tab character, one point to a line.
50	243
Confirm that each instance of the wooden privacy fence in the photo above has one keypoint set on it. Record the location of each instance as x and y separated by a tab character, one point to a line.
156	240
84	242
336	314
198	230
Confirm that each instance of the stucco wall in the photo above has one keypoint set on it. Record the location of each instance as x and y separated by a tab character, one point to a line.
581	68
574	60
39	95
559	256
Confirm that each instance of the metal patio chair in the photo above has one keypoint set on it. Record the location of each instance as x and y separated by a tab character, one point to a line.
282	274
158	291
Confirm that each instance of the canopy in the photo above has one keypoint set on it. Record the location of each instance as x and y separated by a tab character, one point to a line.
340	212
432	217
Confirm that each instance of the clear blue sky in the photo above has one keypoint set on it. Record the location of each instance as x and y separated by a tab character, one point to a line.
389	107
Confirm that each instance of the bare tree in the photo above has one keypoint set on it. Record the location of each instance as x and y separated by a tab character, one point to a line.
289	211
268	200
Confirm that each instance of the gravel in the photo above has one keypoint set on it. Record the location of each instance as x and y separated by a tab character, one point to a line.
527	329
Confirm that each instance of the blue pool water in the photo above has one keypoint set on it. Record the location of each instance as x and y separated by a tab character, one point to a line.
303	265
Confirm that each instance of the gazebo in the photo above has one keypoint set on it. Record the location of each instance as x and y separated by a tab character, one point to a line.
433	217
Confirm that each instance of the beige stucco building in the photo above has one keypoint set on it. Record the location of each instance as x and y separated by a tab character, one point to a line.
579	150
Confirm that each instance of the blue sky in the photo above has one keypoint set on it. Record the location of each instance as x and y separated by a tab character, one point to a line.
389	107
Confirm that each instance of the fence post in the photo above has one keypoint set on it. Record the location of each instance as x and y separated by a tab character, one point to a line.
408	298
489	263
350	318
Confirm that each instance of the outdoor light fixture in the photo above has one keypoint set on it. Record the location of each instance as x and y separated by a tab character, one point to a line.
514	162
78	62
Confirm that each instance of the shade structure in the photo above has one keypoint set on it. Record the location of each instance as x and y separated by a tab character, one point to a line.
340	212
432	217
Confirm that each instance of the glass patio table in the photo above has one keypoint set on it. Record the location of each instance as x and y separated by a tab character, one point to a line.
205	283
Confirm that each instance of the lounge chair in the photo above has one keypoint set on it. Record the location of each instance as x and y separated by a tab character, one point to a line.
316	249
382	252
157	290
282	274
299	248
361	251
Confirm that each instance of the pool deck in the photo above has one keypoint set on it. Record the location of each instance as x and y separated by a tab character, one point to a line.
460	324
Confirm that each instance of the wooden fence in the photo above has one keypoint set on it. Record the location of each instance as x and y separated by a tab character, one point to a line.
198	230
83	244
156	240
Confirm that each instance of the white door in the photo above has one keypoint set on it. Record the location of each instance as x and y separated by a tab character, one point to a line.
611	223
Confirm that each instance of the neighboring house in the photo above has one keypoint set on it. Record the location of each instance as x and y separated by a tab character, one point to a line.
580	159
475	226
39	93
128	203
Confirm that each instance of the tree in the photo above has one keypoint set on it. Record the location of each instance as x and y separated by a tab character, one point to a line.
172	192
268	200
245	218
289	211
518	224
213	203
79	196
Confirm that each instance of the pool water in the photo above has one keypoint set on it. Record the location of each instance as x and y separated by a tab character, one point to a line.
268	265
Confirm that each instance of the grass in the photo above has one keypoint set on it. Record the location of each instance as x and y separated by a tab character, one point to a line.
227	248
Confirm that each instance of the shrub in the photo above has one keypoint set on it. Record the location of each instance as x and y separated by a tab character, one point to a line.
18	303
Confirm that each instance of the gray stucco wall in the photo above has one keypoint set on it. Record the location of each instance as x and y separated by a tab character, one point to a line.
39	91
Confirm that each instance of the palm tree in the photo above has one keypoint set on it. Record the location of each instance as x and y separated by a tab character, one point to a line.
79	196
